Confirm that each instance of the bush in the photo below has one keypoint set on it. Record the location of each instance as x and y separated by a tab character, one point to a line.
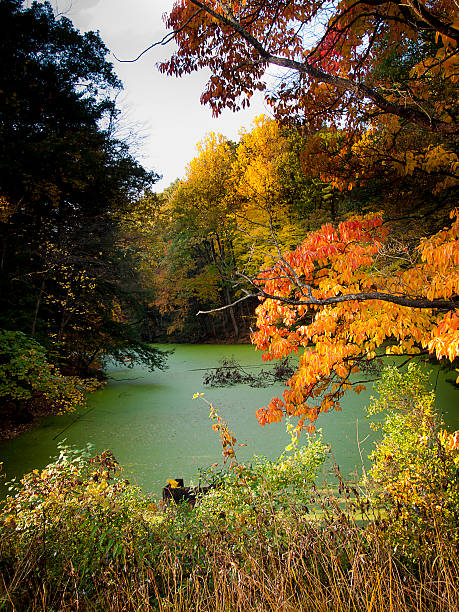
266	486
76	517
26	375
415	465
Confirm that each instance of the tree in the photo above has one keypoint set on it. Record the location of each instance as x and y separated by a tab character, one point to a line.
331	57
26	376
265	168
373	83
175	269
346	292
198	254
237	204
388	166
64	183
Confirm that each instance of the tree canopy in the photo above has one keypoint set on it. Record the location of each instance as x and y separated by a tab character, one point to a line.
348	59
65	181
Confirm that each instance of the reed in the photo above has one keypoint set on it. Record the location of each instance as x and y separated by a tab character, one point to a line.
337	563
78	537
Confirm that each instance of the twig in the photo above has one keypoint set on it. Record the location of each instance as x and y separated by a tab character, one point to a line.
164	41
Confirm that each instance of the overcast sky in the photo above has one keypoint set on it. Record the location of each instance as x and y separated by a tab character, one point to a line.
165	111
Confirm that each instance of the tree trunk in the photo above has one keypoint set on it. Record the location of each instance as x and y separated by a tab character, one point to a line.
37	307
3	256
333	209
231	311
212	324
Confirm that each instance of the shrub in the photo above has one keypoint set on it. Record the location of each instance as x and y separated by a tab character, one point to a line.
415	465
75	517
26	375
266	486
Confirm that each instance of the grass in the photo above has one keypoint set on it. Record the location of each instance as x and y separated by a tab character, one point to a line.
76	536
271	562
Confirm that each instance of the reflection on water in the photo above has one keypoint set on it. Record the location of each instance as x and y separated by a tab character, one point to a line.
157	431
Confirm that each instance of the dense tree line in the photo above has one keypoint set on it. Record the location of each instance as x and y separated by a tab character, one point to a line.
337	220
66	279
241	204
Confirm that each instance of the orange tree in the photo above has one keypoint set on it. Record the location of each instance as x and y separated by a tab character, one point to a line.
346	292
351	59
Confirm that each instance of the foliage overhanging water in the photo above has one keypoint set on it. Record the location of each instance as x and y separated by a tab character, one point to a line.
157	431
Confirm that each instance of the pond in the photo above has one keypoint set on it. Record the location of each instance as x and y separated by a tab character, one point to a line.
157	431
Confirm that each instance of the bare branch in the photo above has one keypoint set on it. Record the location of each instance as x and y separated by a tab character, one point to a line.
242	299
310	300
164	41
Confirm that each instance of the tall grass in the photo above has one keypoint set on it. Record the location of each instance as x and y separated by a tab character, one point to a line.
291	563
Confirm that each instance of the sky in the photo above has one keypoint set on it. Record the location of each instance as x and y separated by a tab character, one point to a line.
164	111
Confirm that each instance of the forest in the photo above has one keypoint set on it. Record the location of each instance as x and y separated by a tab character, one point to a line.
327	233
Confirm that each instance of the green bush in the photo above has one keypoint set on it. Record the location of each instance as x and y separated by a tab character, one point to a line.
26	374
266	486
415	467
78	516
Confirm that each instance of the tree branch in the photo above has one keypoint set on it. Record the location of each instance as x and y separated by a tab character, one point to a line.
164	41
242	299
400	300
421	16
411	114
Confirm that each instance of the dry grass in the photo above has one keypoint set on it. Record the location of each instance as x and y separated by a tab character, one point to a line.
332	566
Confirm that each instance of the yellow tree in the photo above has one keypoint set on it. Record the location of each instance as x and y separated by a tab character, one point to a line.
195	230
268	182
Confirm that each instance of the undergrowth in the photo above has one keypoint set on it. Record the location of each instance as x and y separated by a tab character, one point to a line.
76	536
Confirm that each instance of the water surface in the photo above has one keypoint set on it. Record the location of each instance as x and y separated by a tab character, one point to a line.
157	431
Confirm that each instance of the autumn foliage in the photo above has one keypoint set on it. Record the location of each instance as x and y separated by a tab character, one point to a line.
348	293
371	84
337	58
